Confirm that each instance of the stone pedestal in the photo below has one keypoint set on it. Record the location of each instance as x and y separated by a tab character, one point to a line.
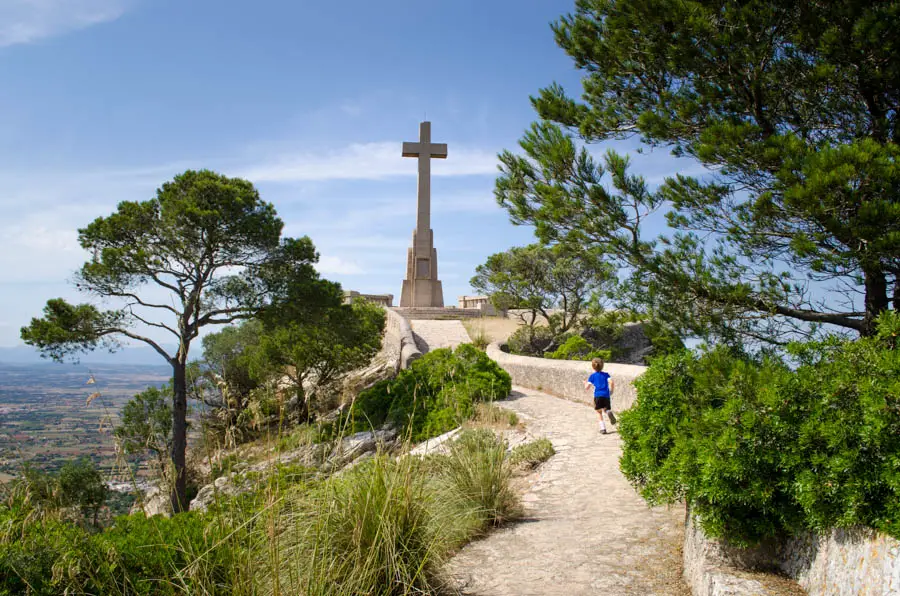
421	286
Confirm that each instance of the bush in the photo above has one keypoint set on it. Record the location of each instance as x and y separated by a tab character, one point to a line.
577	348
138	555
530	341
436	394
532	454
759	450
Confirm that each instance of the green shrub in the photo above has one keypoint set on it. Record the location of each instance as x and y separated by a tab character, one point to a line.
577	348
532	454
663	339
138	555
759	449
434	395
530	341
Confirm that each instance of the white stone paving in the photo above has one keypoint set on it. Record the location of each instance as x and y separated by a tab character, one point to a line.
586	531
434	334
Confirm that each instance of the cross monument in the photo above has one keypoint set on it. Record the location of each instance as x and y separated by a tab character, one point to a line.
421	286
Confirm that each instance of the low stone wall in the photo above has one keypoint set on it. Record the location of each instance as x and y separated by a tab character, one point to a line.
856	561
398	337
843	562
565	378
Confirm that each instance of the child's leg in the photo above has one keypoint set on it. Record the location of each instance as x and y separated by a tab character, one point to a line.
612	417
602	423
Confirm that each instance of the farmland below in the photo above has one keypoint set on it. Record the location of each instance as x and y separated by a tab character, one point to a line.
51	413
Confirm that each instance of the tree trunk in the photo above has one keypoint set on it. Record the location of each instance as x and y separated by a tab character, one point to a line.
179	432
876	299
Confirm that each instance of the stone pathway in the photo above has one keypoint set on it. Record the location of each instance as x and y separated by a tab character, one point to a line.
586	531
434	334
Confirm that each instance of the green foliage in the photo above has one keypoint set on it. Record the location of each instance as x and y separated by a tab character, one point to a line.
82	486
577	348
371	530
789	103
758	449
383	527
76	492
137	556
530	341
532	454
316	351
538	278
242	365
66	329
434	395
147	424
662	337
212	253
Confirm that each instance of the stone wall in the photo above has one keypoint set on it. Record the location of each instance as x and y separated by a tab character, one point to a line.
482	303
565	378
843	562
398	338
386	300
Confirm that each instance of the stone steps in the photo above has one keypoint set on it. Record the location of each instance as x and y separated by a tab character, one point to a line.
437	313
432	334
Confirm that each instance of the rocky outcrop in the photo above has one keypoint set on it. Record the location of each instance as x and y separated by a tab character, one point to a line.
321	458
154	501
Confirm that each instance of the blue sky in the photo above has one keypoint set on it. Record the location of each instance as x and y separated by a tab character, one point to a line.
103	100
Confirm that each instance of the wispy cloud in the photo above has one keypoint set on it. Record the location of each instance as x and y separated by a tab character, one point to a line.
366	161
26	21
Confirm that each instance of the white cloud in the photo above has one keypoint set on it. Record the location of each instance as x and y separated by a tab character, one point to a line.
367	161
26	21
42	246
337	266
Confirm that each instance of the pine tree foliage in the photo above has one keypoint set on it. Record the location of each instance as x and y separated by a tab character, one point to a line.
791	106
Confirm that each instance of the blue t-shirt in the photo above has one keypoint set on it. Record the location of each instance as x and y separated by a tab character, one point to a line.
600	381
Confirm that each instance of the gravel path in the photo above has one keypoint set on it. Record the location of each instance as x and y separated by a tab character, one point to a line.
586	531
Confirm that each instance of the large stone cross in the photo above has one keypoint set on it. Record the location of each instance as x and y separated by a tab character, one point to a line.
421	287
424	150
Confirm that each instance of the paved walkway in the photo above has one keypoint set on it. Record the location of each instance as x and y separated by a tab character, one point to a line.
434	334
586	530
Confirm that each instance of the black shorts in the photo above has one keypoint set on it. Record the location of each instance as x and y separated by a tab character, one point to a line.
601	403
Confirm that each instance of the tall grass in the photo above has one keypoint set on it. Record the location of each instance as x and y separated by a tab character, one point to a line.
388	526
477	475
372	530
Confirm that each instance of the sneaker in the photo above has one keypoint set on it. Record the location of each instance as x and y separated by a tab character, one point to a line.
612	417
603	431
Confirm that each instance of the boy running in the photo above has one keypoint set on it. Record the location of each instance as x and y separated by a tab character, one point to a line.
603	387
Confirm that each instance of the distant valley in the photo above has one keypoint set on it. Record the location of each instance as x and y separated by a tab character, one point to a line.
46	416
